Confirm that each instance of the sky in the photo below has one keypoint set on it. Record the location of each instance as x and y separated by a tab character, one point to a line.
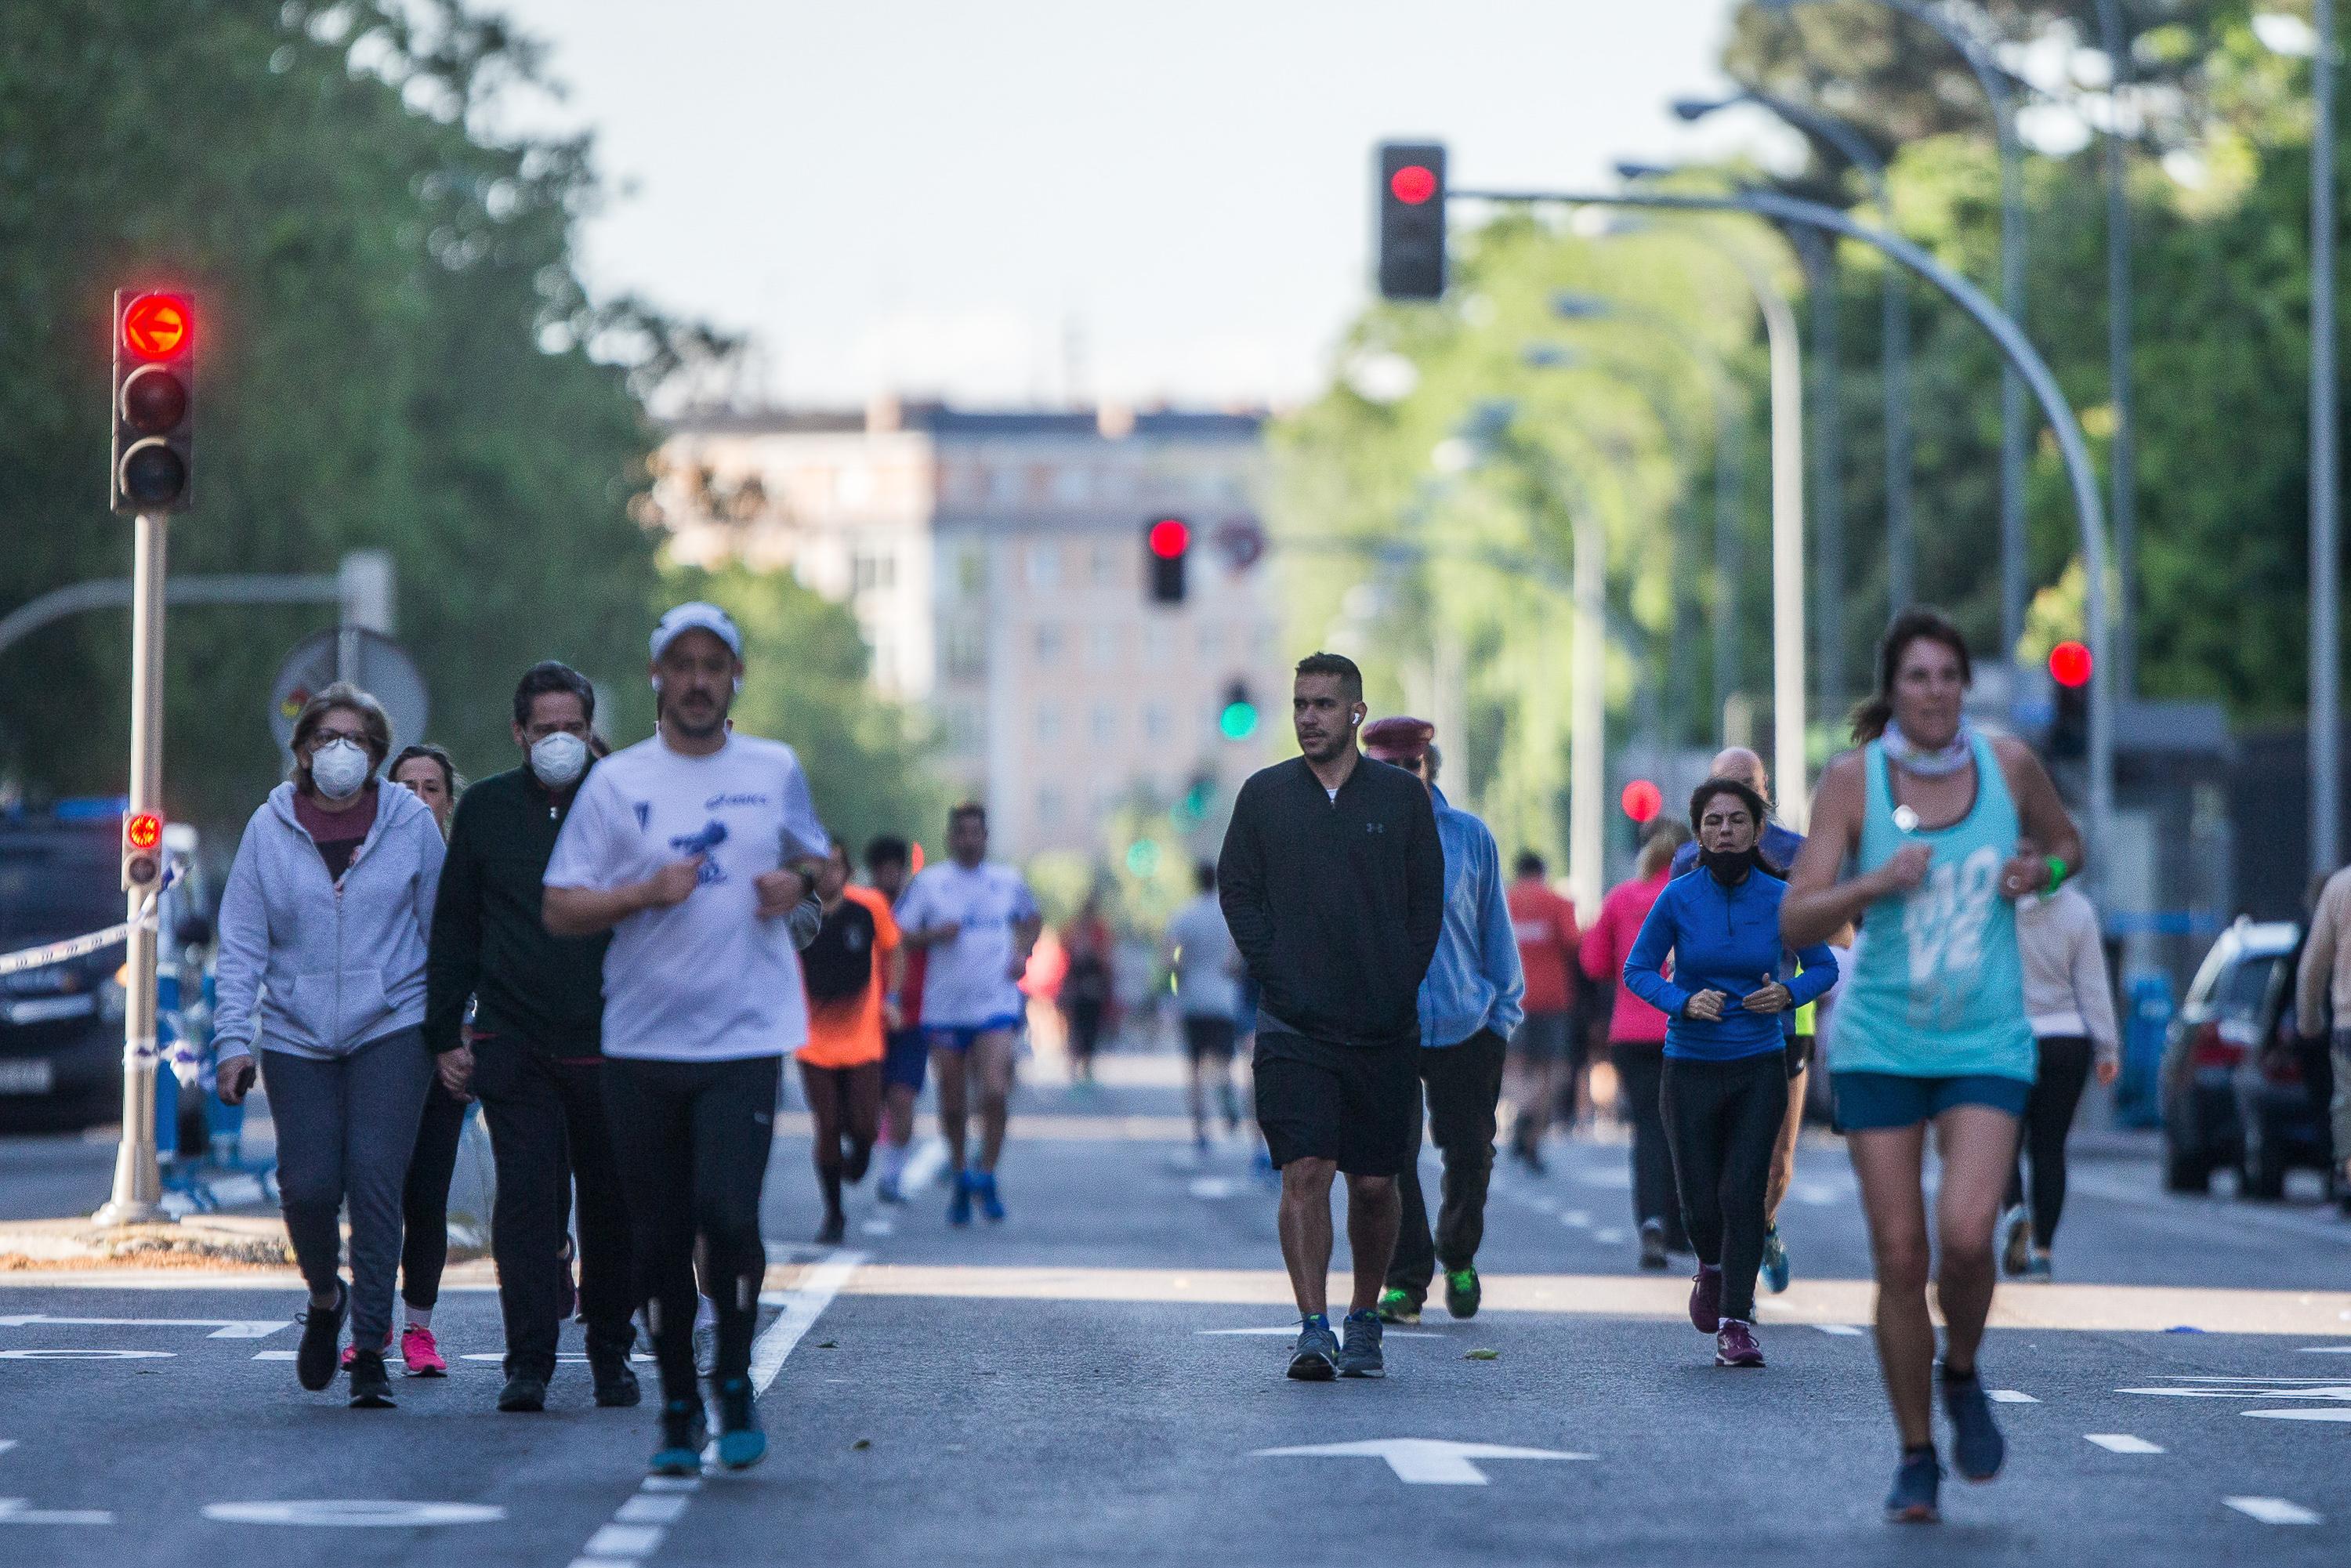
1039	201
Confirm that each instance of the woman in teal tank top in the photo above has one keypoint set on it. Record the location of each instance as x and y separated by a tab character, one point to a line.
1945	829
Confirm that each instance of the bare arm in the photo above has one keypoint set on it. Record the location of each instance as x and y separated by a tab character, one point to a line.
2047	828
1817	904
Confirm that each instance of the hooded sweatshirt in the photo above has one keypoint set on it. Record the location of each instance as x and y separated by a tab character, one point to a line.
317	967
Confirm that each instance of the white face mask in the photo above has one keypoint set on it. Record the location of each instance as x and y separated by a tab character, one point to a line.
339	767
558	758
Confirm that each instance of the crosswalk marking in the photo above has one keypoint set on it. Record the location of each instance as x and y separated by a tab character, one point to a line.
2010	1396
2271	1510
2122	1443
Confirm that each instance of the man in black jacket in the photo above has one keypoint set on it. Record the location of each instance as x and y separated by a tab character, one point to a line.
536	1049
1332	881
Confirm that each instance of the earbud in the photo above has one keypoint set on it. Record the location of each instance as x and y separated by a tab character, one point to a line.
1355	718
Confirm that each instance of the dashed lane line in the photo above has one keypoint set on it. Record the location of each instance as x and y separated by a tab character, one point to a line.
2010	1396
2271	1510
2122	1443
1841	1331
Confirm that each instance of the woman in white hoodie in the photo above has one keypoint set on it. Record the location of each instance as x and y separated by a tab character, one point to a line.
321	978
2071	1004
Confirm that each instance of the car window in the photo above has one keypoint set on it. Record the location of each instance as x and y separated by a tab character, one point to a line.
57	884
2244	984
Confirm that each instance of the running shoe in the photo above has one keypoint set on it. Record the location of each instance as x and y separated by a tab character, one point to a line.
2016	1255
991	1207
1775	1262
1918	1481
835	1226
1706	1299
1396	1306
1360	1356
370	1389
741	1442
685	1431
1315	1357
1462	1294
615	1379
1976	1447
314	1362
1734	1345
2036	1268
1653	1244
959	1206
351	1350
523	1393
419	1355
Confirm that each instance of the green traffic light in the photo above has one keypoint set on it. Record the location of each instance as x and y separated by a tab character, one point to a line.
1239	721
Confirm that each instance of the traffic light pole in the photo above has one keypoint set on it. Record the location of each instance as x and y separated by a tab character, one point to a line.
138	1180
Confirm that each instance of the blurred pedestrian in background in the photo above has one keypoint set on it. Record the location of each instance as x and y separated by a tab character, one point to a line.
428	770
2069	1000
1200	956
1546	1039
906	1055
2323	1009
851	969
1637	1043
1087	991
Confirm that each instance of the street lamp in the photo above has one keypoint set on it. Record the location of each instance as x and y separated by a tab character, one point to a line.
2123	458
1901	547
2325	468
1995	83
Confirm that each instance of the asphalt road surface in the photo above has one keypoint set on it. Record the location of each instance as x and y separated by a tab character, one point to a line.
1098	1381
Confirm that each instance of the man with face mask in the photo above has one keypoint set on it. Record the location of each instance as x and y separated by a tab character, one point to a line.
535	1057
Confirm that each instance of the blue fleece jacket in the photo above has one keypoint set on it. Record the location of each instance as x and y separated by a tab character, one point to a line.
1720	939
1474	981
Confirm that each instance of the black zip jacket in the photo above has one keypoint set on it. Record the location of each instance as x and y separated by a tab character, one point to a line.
488	939
1336	905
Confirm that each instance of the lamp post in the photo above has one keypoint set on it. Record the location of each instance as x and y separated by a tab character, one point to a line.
1818	258
2122	453
1996	89
2325	469
1894	347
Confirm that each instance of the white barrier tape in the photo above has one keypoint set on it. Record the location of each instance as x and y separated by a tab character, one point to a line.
79	947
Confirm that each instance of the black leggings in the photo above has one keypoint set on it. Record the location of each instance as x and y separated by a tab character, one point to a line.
2048	1117
1723	1120
1639	1068
424	1202
845	1103
691	1142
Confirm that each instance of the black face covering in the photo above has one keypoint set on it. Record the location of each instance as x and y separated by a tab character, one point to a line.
1727	867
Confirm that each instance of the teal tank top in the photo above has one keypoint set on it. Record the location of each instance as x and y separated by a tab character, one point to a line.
1937	984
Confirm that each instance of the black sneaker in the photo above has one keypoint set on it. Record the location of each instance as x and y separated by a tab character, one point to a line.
616	1380
684	1433
835	1228
323	1337
1315	1358
523	1393
741	1441
1976	1447
1360	1356
371	1388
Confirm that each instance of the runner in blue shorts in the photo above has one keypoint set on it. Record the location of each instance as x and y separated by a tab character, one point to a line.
1946	828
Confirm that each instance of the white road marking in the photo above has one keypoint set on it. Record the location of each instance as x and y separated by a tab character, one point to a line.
2271	1510
6	1444
2122	1443
1421	1461
223	1328
84	1354
17	1511
1608	1237
654	1508
2326	1350
1292	1330
354	1513
1580	1218
625	1541
1843	1330
923	1166
2010	1396
2319	1415
801	1308
603	1563
878	1227
1214	1187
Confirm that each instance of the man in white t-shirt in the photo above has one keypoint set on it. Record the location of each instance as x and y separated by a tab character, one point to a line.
1200	952
978	923
694	848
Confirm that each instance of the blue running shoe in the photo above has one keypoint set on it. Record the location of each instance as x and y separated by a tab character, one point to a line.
1976	1447
1775	1262
1917	1485
741	1443
684	1431
1315	1358
959	1206
991	1207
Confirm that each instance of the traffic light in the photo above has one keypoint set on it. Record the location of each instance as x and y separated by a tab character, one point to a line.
1238	718
1642	801
2070	669
143	851
1166	546
154	466
1411	199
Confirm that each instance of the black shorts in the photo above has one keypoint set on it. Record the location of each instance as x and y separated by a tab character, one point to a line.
1800	1053
1358	1106
1209	1037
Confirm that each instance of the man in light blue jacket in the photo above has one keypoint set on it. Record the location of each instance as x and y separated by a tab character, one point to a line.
1470	1001
321	978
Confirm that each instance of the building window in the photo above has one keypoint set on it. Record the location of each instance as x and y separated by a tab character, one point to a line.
1048	642
1102	647
971	571
867	572
1104	724
1044	566
1049	724
1154	723
1004	487
966	653
1049	807
1072	486
966	732
1212	640
1158	644
1105	566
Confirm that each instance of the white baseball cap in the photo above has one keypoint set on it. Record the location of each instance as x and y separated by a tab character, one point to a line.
696	616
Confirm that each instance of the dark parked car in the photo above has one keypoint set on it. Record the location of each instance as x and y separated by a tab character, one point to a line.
2238	1087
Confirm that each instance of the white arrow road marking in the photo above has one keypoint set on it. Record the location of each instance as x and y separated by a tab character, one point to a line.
2322	1415
2122	1443
1292	1331
17	1510
1421	1461
2271	1510
354	1513
223	1328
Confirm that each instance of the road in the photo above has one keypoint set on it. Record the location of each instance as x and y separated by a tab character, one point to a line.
1098	1381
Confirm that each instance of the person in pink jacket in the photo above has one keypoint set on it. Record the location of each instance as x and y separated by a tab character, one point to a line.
1637	1043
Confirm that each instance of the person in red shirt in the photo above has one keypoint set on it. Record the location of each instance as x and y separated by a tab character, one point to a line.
1544	924
852	970
1636	1043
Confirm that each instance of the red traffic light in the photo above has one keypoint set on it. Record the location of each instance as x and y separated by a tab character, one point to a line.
1413	185
143	832
1170	538
2069	664
1642	801
158	325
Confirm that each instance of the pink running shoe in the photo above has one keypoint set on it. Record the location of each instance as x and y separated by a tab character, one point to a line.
1734	1345
351	1350
422	1356
1706	1299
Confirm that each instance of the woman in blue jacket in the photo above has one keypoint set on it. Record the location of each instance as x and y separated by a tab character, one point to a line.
1725	1090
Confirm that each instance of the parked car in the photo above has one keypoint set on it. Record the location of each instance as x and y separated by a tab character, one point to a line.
61	1023
2238	1087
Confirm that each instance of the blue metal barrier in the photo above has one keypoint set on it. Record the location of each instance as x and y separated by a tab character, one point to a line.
2147	1020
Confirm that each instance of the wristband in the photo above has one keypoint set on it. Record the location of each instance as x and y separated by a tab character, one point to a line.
2058	871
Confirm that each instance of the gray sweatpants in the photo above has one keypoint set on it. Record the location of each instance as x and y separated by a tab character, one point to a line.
345	1130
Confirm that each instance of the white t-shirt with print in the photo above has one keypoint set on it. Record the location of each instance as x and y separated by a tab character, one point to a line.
707	979
965	982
